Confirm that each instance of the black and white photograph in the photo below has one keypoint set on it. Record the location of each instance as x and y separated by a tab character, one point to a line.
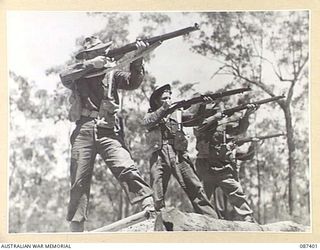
135	122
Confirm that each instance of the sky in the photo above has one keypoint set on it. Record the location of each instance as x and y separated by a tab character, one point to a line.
38	40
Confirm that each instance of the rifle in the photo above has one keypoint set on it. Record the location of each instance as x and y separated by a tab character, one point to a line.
78	70
199	99
250	139
113	53
231	111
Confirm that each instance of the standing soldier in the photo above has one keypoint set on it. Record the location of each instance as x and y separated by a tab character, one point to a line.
223	207
98	130
168	146
216	161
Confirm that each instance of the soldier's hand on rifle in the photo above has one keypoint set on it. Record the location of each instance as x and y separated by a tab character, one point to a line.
251	108
141	45
207	99
97	62
219	115
256	142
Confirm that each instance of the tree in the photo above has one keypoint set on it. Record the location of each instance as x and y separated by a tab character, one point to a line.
37	196
268	50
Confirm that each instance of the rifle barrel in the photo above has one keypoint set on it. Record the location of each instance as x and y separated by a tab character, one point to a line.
199	99
271	99
270	136
75	72
132	46
229	92
244	106
249	139
173	34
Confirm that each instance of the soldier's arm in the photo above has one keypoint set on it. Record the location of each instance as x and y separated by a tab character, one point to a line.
71	74
242	127
210	122
130	80
153	119
246	155
243	122
192	118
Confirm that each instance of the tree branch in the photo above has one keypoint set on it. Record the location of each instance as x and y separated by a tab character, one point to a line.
295	80
262	86
278	74
217	72
249	34
299	71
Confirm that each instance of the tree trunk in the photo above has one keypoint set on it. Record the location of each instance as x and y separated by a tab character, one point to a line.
259	190
291	158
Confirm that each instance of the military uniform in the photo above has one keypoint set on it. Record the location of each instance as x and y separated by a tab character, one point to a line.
167	145
216	164
94	136
223	207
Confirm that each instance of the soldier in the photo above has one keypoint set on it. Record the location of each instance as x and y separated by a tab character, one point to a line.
222	205
216	161
98	131
168	148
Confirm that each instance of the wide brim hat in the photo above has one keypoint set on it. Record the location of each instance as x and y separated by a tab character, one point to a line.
155	95
90	44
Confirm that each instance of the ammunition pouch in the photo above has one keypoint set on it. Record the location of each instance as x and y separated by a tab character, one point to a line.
107	111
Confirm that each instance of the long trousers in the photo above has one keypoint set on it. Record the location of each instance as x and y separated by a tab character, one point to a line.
167	161
227	182
87	141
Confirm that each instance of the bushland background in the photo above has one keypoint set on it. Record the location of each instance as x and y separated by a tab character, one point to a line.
269	51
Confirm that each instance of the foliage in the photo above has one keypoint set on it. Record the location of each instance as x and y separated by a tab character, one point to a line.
264	49
269	51
37	194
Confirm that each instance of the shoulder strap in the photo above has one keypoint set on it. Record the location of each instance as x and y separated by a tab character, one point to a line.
107	81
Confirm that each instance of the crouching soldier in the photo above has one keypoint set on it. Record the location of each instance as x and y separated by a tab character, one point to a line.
168	146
